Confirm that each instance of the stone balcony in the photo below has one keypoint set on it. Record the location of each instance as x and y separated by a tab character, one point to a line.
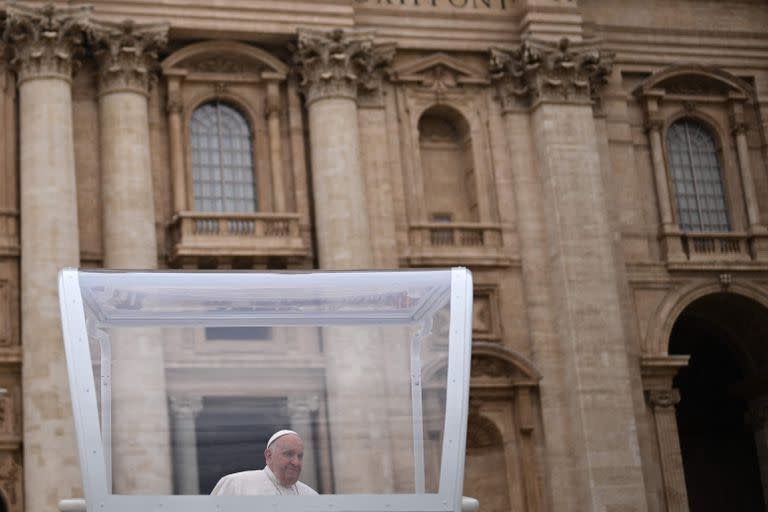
692	250
259	236
465	243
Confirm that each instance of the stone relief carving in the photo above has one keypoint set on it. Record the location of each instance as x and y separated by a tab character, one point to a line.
540	70
45	41
439	73
338	63
221	65
127	53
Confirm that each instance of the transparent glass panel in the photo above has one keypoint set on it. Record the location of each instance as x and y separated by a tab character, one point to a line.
195	372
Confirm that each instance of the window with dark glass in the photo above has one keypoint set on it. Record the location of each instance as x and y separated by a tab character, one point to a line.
222	160
697	177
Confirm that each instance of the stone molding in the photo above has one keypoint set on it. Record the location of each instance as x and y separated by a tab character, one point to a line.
45	41
663	398
340	63
127	54
185	406
539	71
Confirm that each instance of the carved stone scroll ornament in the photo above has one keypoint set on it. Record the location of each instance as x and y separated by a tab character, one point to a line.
127	53
337	63
539	70
45	41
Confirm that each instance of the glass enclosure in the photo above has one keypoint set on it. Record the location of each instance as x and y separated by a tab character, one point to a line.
180	378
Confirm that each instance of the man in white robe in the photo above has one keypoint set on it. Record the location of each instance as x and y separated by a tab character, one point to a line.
284	455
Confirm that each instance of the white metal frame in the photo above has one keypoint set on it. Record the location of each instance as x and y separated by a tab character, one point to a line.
94	456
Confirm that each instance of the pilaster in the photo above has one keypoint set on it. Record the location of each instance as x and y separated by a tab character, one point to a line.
556	86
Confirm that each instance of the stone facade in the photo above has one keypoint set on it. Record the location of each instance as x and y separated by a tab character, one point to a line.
527	140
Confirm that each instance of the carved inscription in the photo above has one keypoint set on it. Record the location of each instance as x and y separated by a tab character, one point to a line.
480	5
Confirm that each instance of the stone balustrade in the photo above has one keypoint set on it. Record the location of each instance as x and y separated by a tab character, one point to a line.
443	243
200	234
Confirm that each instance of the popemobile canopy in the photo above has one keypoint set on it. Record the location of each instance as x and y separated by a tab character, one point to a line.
179	378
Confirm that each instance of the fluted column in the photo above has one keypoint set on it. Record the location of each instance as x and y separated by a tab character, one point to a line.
184	411
44	43
663	403
333	65
126	53
558	83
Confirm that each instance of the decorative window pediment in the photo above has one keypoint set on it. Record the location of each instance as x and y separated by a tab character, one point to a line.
694	80
238	61
439	71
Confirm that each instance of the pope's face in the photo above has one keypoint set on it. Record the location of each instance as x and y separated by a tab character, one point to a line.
284	458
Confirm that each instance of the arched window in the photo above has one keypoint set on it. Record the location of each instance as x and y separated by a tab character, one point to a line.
697	177
222	159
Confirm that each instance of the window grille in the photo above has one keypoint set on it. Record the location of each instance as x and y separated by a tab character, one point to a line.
697	177
222	160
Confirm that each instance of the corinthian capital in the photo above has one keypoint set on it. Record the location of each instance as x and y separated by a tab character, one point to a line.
45	40
543	71
338	63
127	54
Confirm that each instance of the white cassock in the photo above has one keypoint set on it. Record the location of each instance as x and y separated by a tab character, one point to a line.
261	482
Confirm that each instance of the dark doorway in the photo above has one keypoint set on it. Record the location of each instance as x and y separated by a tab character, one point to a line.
717	445
232	433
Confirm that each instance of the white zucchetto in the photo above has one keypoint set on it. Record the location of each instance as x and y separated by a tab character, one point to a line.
280	433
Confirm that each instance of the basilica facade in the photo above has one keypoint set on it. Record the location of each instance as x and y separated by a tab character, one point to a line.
600	165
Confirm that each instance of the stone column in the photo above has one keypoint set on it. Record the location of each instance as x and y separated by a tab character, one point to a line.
333	65
44	42
273	108
558	81
126	53
739	130
301	411
184	410
175	139
757	418
550	352
658	374
663	403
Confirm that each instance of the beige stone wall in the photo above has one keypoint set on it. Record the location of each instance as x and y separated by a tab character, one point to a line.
595	245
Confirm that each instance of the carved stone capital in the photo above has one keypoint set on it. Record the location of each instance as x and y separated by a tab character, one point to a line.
654	123
185	406
663	398
303	406
544	71
339	63
127	54
45	41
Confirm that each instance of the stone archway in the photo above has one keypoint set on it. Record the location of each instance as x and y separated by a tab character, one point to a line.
722	437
